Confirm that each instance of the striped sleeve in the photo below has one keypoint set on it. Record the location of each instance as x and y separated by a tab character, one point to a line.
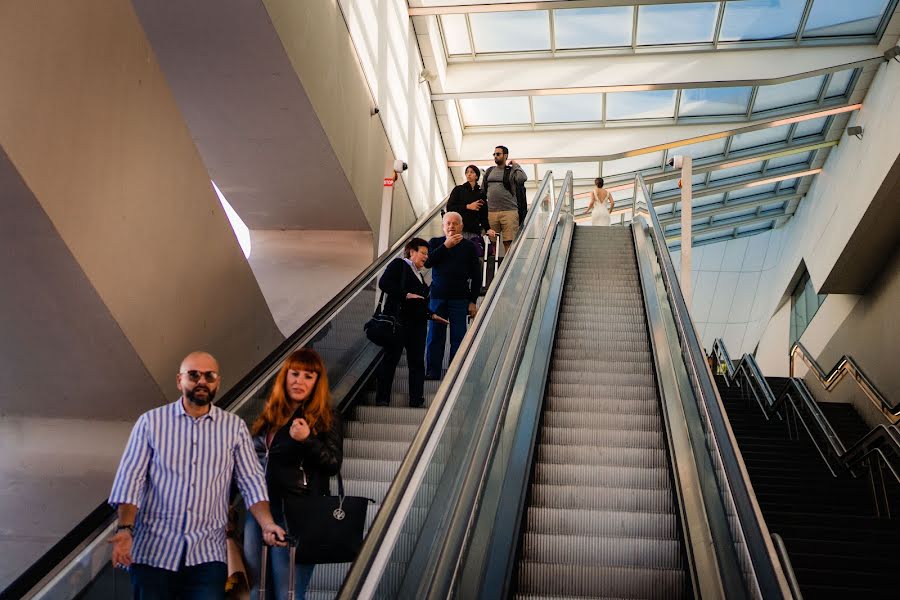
129	484
248	475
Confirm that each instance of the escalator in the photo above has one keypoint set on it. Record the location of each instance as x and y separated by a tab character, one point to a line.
602	519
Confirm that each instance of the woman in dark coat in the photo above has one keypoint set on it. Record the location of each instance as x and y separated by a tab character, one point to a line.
469	200
298	441
406	295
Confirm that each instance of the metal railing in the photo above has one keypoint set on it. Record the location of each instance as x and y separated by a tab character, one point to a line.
876	452
845	366
763	568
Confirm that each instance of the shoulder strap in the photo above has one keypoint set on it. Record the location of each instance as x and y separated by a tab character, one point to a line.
487	173
507	176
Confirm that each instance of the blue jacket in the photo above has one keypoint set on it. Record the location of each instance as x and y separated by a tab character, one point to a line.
455	272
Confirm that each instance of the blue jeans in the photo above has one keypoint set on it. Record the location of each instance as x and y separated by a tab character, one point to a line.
279	563
456	311
205	581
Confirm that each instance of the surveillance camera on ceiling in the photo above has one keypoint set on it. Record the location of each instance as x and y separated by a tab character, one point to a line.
400	166
676	161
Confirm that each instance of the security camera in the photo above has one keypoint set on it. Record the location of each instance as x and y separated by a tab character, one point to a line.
856	131
676	161
400	166
374	111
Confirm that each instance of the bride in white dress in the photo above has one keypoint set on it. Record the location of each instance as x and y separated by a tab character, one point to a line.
598	204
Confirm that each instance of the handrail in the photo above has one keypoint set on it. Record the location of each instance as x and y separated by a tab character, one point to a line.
785	559
846	365
735	482
98	520
880	442
383	531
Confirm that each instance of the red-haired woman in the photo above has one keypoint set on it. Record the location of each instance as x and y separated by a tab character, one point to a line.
298	441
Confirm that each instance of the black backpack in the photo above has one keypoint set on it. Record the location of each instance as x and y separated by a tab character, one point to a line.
508	183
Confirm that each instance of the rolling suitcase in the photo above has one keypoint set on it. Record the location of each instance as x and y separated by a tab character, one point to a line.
264	567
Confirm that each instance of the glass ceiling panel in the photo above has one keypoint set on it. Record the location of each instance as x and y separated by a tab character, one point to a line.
752	191
456	34
640	105
787	94
581	170
706	102
761	19
844	17
495	111
839	84
763	137
511	31
790	159
633	163
738	171
711	236
568	108
700	150
811	127
734	215
707	200
757	227
788	184
593	27
676	23
774	206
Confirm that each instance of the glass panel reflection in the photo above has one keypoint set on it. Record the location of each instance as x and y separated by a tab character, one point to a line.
676	23
839	84
844	17
790	159
811	127
640	105
456	34
738	171
712	148
714	101
495	111
757	190
568	108
763	137
788	94
593	27
511	31
761	19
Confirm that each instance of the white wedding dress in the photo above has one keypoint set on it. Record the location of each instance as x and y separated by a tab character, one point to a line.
600	214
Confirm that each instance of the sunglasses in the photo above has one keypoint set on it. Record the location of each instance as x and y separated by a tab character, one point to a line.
498	154
193	375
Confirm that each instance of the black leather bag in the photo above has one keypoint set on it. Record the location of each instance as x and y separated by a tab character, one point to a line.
384	328
328	529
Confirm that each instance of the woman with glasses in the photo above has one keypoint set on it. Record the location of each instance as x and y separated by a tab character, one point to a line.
298	441
598	204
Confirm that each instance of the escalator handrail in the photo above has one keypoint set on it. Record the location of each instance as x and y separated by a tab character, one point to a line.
838	457
845	366
100	517
766	566
465	511
381	528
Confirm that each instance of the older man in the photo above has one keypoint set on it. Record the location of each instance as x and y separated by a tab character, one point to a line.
455	283
171	491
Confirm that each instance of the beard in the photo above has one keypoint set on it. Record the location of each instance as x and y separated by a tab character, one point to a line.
498	160
202	400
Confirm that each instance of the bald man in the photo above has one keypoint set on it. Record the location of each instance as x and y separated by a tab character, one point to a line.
172	491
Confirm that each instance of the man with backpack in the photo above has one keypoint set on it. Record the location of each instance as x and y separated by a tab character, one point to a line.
504	185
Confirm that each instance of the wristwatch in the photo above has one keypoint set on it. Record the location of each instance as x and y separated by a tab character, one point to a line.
130	528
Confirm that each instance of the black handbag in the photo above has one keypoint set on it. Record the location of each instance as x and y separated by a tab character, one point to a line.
328	529
384	328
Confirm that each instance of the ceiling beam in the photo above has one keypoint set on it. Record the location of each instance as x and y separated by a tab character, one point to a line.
452	8
644	73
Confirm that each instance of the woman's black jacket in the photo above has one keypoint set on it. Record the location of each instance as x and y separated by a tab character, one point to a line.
300	468
463	194
398	280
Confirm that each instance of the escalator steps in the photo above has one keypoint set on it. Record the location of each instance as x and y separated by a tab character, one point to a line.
601	520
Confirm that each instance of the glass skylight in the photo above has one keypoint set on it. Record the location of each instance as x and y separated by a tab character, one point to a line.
640	105
676	23
495	111
703	102
787	94
736	171
633	163
761	19
593	27
582	170
701	150
839	83
511	31
811	127
568	108
456	34
758	190
844	17
790	159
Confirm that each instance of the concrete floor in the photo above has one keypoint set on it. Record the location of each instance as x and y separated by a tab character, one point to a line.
54	472
299	271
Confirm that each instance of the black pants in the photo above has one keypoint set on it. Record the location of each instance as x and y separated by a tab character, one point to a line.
413	340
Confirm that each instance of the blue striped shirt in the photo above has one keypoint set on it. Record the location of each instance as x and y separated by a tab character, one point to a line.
177	470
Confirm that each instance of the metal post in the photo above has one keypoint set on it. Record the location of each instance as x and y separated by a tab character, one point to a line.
686	219
387	204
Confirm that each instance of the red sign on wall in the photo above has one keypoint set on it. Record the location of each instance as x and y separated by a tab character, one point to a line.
388	182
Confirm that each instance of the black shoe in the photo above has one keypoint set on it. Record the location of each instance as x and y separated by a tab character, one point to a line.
432	377
417	403
382	404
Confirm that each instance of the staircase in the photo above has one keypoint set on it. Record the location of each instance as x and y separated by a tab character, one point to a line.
837	547
601	520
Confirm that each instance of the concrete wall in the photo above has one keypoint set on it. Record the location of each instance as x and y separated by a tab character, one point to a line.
89	123
345	76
